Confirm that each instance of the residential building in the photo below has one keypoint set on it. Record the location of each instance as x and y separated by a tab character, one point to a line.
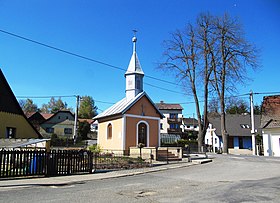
36	118
134	120
239	130
61	123
172	121
190	124
13	122
270	124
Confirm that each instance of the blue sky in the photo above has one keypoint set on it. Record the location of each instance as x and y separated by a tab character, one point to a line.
102	30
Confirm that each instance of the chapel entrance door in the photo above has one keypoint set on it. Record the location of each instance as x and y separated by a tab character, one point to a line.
142	134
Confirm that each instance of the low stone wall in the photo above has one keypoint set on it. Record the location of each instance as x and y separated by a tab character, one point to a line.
240	151
174	150
145	152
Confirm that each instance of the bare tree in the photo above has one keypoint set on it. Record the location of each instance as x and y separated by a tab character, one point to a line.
187	55
230	59
211	51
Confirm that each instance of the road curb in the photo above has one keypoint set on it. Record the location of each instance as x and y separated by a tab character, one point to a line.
79	179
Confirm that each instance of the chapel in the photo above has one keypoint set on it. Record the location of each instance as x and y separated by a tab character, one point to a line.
134	120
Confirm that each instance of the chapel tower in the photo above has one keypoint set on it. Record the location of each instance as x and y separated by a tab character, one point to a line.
134	75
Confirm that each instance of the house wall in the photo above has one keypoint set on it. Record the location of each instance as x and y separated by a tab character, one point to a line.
58	122
164	121
271	142
115	143
210	138
58	128
23	128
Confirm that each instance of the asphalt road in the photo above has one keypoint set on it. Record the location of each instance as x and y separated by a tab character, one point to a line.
226	179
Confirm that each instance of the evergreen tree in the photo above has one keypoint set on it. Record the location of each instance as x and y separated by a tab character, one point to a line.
87	108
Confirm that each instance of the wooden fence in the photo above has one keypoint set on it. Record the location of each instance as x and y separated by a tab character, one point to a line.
15	163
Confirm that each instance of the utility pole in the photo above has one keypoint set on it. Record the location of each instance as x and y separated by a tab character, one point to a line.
76	119
253	124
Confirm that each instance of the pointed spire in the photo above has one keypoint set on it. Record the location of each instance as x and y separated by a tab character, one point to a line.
134	64
134	74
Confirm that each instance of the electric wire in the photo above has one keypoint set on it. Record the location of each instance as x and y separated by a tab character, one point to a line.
79	56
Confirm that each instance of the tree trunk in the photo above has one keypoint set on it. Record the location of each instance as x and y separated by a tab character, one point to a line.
223	127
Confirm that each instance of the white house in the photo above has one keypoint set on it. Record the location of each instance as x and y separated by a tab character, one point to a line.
239	130
211	137
270	124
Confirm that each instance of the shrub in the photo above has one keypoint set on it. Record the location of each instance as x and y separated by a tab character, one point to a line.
95	148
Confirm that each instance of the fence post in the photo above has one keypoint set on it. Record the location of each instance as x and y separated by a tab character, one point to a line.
167	155
90	161
95	161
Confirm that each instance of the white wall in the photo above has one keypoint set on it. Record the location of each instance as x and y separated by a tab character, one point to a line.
271	142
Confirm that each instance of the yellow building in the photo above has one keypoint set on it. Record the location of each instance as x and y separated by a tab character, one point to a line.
133	120
13	122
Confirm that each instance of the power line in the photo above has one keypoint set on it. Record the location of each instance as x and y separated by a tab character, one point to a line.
166	89
266	93
79	56
107	102
44	97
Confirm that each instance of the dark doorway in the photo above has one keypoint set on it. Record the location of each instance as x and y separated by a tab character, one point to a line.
240	141
142	134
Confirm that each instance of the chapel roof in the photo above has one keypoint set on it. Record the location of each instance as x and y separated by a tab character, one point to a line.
123	105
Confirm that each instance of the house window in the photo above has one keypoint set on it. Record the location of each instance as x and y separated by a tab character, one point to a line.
215	140
67	130
245	126
109	131
161	126
50	130
10	132
172	126
173	115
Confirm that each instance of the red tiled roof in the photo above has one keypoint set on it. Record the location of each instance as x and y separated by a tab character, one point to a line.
90	121
271	112
47	115
165	106
29	114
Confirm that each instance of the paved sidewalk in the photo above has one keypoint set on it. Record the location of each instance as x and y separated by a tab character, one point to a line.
76	179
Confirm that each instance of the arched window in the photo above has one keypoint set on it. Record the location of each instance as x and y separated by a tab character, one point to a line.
142	134
109	131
